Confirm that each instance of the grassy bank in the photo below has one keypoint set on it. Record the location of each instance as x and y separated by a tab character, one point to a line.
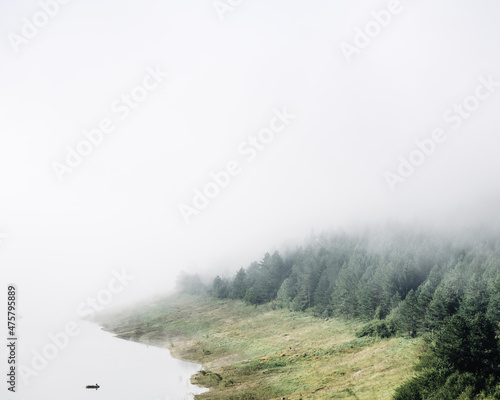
258	353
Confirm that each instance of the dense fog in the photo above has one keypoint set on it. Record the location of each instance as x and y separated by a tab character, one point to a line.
148	138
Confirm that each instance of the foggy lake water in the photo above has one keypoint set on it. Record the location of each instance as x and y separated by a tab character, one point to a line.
123	369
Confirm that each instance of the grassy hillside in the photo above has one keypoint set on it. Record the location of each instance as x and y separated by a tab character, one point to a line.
253	352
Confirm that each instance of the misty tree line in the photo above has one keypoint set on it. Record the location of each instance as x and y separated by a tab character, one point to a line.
401	282
413	281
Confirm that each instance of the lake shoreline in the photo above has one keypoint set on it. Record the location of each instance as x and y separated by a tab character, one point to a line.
165	343
259	353
177	347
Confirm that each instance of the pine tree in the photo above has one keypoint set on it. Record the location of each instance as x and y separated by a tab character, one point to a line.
344	296
493	309
322	295
287	292
220	288
239	286
410	314
444	304
468	345
476	298
484	346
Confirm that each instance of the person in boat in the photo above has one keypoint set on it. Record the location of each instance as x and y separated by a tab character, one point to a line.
96	386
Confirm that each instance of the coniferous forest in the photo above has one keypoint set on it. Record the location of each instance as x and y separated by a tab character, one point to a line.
400	282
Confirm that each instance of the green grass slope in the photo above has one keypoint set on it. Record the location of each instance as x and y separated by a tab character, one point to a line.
253	352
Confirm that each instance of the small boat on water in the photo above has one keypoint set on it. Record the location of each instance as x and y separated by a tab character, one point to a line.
96	386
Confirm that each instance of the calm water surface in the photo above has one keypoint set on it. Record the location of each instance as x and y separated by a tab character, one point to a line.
124	370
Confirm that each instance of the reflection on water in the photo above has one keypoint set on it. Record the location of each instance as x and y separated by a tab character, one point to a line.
124	371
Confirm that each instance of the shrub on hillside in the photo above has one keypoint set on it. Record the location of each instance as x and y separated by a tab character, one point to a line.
375	328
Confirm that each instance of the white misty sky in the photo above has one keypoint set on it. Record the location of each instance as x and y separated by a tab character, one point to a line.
119	208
